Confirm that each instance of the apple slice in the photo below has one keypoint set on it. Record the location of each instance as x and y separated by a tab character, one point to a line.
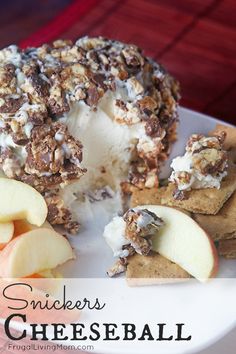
184	242
6	233
34	252
23	226
20	201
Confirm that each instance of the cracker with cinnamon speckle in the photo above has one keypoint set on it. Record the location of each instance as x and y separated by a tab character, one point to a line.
147	196
153	269
227	248
203	201
151	196
221	226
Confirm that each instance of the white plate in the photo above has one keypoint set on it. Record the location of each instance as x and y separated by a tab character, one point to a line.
207	310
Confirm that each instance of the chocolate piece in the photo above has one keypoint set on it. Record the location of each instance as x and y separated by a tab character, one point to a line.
11	104
93	96
59	214
140	225
52	151
40	86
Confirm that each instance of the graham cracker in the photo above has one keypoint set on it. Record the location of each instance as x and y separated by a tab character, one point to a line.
153	269
222	225
204	201
232	155
151	196
147	196
227	248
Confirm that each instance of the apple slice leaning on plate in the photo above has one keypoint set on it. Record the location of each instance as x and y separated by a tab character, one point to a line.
34	252
20	201
184	242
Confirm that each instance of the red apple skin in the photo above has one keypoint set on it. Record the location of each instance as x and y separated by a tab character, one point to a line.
215	269
214	252
34	276
2	245
21	227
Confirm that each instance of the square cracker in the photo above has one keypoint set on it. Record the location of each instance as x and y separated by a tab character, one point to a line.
151	196
227	248
153	269
222	225
204	201
147	196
